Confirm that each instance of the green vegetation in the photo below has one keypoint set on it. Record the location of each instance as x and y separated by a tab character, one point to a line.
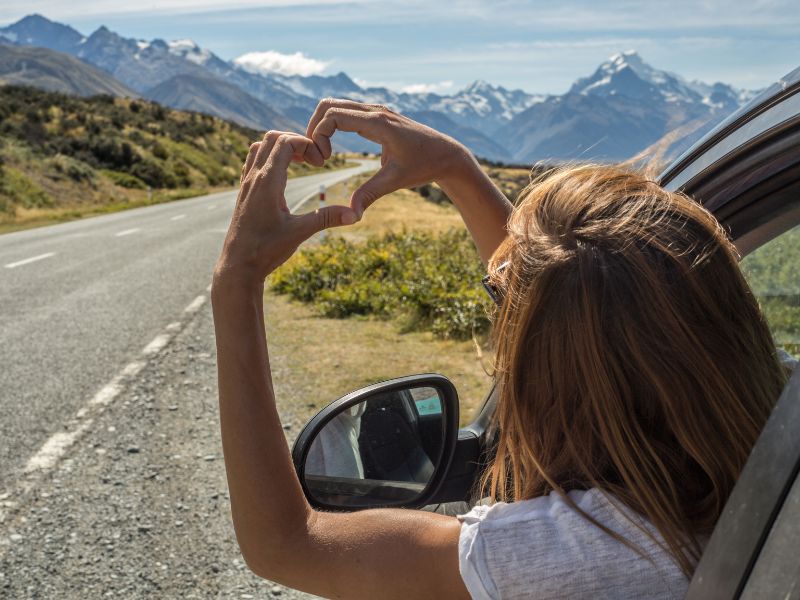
62	156
428	281
773	272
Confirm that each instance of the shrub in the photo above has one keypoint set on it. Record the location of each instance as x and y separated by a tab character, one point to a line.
432	193
76	170
19	190
125	180
429	282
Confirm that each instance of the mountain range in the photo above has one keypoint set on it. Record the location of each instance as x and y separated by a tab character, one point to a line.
625	107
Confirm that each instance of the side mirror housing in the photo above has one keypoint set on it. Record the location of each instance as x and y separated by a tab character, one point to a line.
388	444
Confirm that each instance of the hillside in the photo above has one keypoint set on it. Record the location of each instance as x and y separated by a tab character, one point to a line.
63	156
210	95
56	72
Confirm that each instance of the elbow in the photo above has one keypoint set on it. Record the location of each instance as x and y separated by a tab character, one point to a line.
264	562
275	556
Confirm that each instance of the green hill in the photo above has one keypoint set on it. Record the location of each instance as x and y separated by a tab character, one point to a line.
63	156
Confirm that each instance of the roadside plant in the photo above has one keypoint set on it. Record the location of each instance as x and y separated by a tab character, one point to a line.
424	281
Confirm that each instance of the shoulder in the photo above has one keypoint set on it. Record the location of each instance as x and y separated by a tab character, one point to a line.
545	546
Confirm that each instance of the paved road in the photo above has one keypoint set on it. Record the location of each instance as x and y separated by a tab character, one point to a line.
79	301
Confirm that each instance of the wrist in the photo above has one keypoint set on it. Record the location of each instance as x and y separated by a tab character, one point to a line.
463	171
461	165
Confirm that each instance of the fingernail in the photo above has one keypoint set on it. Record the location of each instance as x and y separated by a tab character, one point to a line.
348	218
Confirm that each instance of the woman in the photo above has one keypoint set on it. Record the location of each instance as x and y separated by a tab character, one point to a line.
635	373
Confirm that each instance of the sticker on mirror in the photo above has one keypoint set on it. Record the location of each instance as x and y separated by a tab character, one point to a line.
429	406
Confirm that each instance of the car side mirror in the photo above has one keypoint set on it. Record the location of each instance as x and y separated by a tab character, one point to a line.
388	444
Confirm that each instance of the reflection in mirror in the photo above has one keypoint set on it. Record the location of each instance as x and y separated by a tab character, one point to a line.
384	449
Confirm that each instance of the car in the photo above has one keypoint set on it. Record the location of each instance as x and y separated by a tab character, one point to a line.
404	434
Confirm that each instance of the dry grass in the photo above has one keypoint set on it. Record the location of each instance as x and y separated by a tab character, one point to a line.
403	209
323	359
326	358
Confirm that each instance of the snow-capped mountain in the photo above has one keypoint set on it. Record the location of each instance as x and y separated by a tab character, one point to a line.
627	74
623	107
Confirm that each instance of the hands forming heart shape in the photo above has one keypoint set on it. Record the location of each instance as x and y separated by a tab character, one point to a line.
263	232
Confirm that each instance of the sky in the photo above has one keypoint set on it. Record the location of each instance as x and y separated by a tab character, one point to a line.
434	45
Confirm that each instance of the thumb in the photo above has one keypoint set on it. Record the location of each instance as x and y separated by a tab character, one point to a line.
381	183
325	218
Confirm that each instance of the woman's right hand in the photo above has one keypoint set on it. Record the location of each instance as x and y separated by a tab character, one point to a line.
411	153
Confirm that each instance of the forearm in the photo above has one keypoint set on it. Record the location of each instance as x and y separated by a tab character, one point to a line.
267	502
482	205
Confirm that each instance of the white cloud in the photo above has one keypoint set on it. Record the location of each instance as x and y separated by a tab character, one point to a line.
428	88
284	64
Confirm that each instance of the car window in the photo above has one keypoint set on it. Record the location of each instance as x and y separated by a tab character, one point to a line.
773	272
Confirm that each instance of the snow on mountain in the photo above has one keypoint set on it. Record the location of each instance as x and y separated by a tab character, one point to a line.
189	50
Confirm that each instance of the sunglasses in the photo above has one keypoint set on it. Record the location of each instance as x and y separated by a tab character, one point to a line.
494	292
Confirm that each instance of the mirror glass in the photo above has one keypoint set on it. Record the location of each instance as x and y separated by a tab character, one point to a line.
382	450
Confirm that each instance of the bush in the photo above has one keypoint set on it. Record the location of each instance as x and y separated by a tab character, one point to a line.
18	189
430	282
76	170
125	180
432	193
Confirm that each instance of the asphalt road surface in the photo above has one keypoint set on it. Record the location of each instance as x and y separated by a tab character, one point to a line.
79	302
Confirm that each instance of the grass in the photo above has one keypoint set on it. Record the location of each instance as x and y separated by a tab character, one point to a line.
325	358
41	217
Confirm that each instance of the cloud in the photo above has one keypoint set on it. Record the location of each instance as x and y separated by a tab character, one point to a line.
14	9
284	64
428	88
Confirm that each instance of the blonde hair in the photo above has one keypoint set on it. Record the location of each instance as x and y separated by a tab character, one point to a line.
631	355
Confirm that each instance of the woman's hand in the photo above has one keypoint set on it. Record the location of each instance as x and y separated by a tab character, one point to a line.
411	153
263	233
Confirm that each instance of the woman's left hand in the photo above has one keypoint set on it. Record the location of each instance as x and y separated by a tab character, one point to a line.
263	232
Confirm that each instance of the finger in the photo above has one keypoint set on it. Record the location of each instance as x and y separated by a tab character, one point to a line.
381	183
328	103
286	147
265	148
251	157
324	218
371	125
312	156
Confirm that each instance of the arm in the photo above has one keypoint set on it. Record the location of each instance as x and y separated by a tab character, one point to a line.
413	154
369	554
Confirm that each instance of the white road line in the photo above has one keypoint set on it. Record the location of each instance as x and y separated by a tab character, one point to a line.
19	263
212	207
58	443
127	232
177	217
158	343
54	448
195	305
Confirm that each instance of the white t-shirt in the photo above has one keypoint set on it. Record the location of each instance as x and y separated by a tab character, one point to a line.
542	548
